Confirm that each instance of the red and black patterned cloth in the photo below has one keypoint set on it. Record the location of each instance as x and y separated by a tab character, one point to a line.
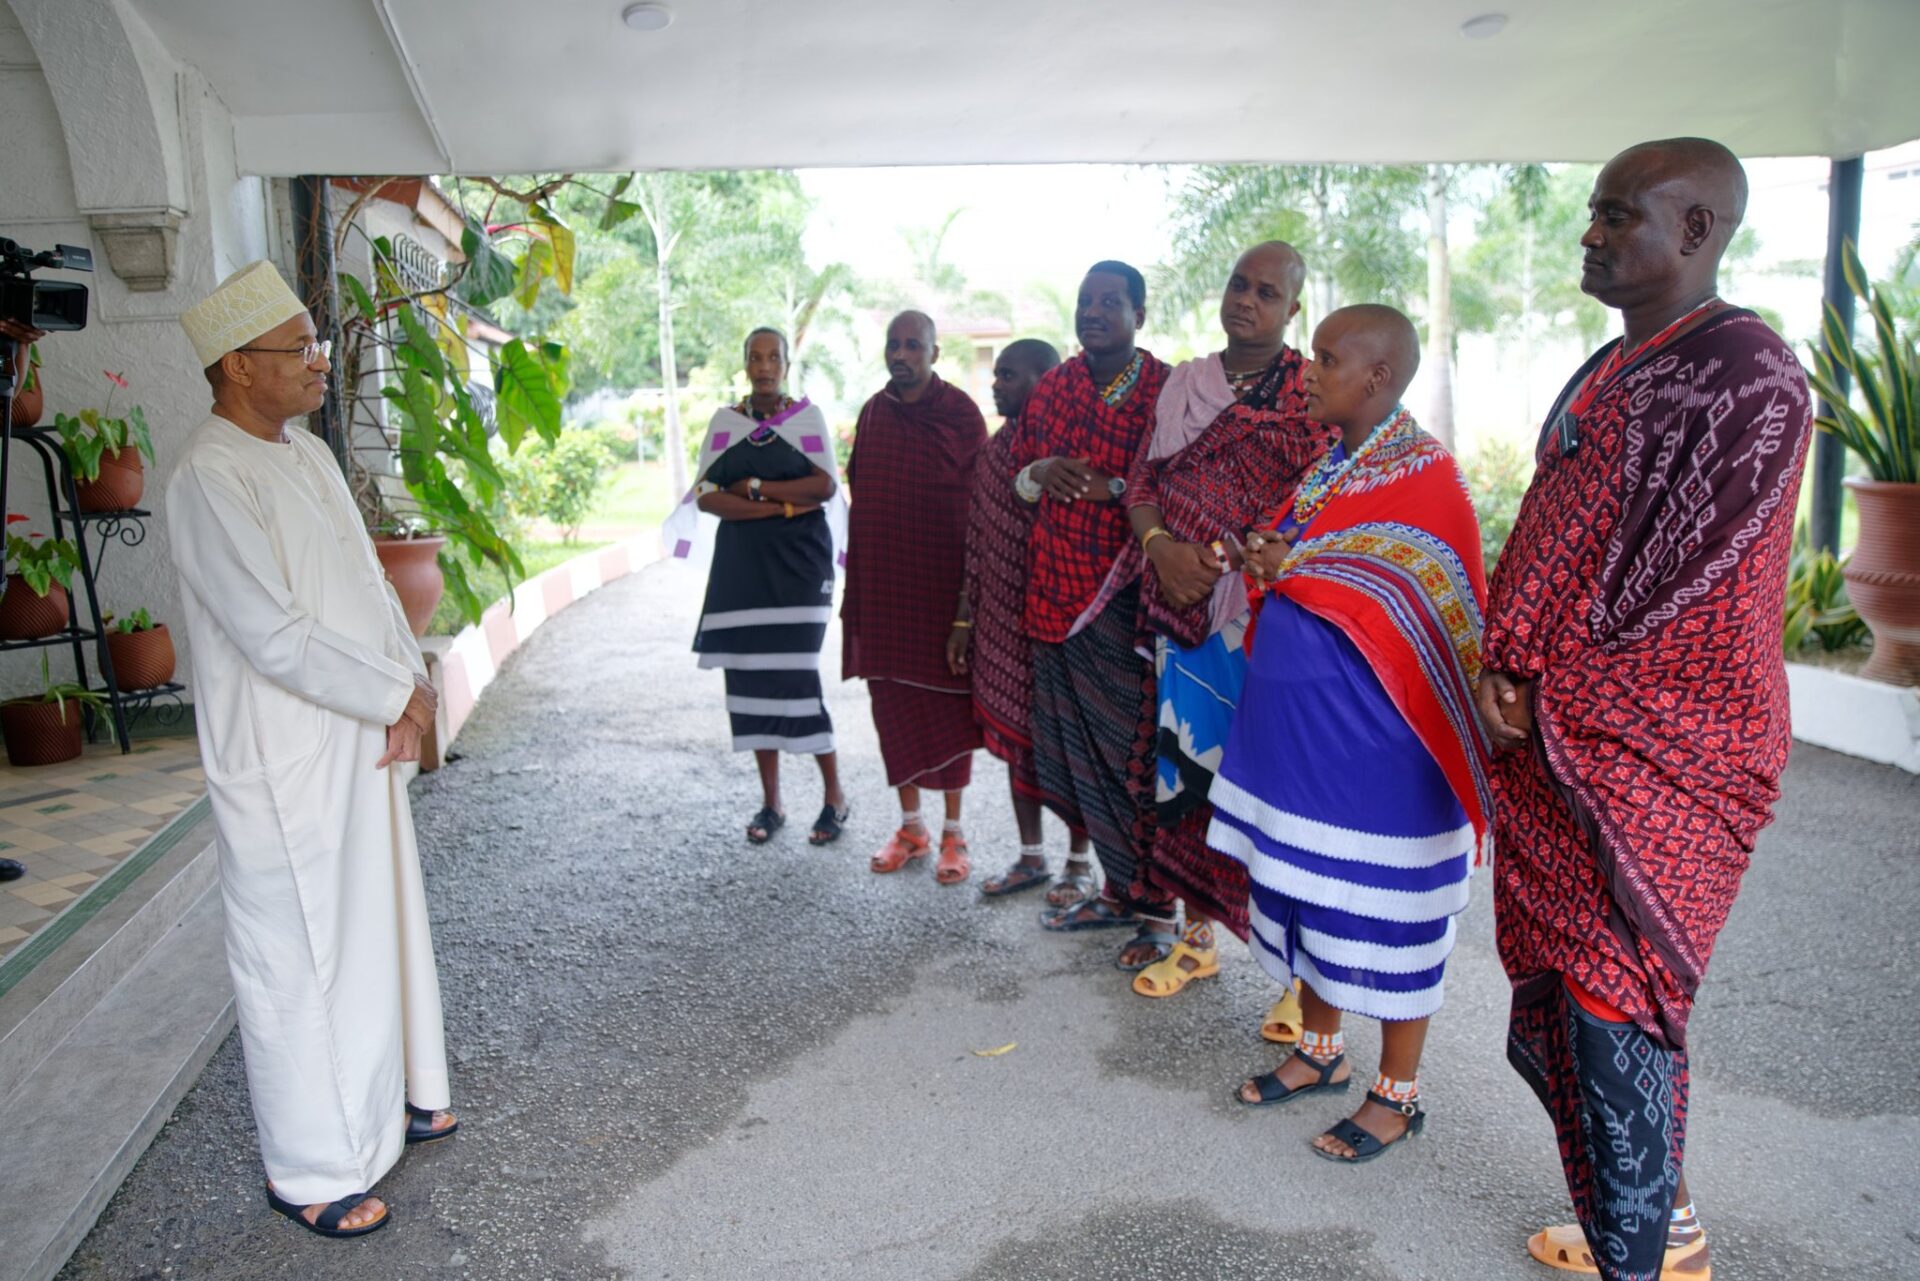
1073	545
1232	477
909	479
1641	593
1000	659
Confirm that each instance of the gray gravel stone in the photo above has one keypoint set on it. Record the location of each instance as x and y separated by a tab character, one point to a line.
676	1056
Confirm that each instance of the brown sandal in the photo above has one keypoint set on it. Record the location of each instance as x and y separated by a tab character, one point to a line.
953	865
901	849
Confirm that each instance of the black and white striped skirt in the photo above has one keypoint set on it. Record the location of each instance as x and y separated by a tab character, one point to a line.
769	599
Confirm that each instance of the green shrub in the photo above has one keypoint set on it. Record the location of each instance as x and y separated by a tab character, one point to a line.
558	482
1498	474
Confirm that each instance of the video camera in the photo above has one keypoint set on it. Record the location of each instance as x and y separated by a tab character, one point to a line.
58	305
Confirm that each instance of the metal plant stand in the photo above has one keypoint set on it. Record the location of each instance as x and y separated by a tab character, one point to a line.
93	534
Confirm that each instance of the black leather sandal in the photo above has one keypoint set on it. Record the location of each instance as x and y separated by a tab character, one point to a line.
827	828
766	823
327	1222
1273	1090
1365	1144
420	1126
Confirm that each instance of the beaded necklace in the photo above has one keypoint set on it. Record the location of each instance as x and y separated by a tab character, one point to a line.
1319	488
1123	382
763	435
1256	387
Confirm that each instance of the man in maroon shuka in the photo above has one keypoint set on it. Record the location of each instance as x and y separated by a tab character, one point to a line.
908	481
989	642
1635	689
1093	706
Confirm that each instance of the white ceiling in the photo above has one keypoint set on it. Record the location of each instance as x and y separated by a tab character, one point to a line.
504	86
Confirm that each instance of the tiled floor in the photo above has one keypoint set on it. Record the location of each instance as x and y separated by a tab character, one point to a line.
71	824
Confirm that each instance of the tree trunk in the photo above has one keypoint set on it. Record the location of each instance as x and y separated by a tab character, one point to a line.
1323	282
1439	356
676	443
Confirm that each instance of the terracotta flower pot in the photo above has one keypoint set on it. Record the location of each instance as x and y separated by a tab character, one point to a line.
413	565
1883	577
36	734
28	406
122	479
141	660
26	616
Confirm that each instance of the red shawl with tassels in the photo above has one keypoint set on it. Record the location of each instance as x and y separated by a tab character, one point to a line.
1393	560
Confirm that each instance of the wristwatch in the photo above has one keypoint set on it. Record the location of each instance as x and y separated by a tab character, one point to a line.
753	488
1116	486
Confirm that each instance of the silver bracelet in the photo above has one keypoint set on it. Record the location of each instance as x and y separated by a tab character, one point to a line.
1025	486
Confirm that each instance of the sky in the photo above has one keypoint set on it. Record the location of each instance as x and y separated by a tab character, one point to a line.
1021	223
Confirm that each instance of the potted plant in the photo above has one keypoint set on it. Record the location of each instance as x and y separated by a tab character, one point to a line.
1883	574
428	432
29	398
44	728
39	572
409	552
106	452
141	650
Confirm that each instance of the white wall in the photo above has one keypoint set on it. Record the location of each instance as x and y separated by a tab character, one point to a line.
229	222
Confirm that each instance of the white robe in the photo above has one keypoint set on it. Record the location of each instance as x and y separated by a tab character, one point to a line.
301	659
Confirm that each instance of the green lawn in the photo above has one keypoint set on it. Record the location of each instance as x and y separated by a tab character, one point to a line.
634	501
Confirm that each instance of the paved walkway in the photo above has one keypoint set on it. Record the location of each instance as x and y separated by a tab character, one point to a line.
678	1057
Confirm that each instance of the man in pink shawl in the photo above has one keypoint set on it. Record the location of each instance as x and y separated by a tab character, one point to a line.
1231	440
909	477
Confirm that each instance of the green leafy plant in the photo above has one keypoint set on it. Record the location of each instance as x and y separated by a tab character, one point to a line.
60	693
440	424
1817	608
558	482
138	621
92	433
39	560
1886	377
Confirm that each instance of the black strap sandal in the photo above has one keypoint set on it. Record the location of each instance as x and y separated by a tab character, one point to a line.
327	1223
420	1126
1160	934
1365	1144
827	828
1021	876
766	822
1273	1090
1087	914
1078	878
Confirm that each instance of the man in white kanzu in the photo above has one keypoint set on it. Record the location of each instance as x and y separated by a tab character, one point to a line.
308	686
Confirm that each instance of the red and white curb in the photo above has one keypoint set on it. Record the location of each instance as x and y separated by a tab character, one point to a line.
468	665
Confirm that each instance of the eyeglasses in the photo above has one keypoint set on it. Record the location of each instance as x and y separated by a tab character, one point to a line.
322	350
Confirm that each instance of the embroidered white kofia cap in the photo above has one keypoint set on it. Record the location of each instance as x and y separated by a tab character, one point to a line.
247	304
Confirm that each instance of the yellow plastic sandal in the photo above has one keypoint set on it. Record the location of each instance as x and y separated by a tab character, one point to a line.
1284	1022
1167	976
1564	1248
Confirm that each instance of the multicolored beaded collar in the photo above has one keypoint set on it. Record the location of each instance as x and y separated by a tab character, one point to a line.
1319	488
1123	382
